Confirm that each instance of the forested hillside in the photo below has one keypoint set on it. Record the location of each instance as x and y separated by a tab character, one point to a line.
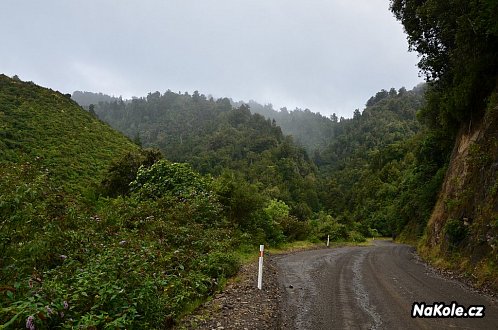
45	127
96	231
217	139
371	171
360	178
309	129
85	99
137	226
90	234
458	46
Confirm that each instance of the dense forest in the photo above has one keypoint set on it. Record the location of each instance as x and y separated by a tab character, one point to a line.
87	204
80	246
102	229
458	46
350	180
219	140
311	130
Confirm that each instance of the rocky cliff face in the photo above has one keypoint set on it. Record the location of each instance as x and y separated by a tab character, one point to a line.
462	232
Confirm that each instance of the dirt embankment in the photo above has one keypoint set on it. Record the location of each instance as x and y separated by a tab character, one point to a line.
463	231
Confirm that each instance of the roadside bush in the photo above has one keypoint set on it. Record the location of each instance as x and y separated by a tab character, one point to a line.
137	261
295	229
124	170
165	178
218	265
325	225
241	200
355	236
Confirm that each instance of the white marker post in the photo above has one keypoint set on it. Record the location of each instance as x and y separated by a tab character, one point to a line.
328	240
260	271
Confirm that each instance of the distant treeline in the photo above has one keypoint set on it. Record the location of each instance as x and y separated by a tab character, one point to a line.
350	169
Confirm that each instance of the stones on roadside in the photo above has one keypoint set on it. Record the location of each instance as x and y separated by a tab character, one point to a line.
241	305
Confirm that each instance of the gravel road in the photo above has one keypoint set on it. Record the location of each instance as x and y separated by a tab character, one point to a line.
370	287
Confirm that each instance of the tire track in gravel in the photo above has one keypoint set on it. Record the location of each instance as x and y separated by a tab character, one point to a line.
362	294
370	287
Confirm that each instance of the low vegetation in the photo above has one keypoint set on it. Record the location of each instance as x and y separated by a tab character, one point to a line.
111	235
96	232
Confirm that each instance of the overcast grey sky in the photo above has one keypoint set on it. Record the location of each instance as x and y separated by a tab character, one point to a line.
325	55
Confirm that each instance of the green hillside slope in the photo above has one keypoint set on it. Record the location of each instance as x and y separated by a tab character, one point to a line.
44	125
216	138
370	168
139	255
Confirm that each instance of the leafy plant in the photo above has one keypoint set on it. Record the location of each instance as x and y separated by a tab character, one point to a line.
455	232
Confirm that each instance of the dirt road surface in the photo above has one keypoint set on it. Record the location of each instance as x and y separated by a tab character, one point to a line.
370	287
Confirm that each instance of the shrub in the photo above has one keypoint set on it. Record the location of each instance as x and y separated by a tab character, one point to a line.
455	232
123	171
326	225
165	178
355	236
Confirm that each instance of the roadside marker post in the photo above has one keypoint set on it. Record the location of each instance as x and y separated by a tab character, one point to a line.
328	240
260	270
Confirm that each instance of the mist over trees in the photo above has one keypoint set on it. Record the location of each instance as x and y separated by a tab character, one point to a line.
216	138
85	99
309	129
351	169
102	229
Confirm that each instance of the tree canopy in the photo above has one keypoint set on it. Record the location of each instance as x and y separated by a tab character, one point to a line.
458	46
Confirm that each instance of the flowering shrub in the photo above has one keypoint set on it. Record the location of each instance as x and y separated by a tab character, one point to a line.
135	261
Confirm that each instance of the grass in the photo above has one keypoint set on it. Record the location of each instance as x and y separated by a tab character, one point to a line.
482	274
247	254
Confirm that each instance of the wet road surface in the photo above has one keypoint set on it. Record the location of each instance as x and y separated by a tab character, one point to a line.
370	287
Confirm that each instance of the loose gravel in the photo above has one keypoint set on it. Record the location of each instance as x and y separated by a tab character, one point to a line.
241	305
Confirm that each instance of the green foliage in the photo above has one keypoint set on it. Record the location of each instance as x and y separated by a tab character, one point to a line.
242	201
311	130
457	42
72	260
123	171
356	237
277	210
172	179
158	237
455	232
139	263
39	123
325	226
214	138
33	217
376	166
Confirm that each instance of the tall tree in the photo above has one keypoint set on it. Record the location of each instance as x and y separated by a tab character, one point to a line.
458	44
